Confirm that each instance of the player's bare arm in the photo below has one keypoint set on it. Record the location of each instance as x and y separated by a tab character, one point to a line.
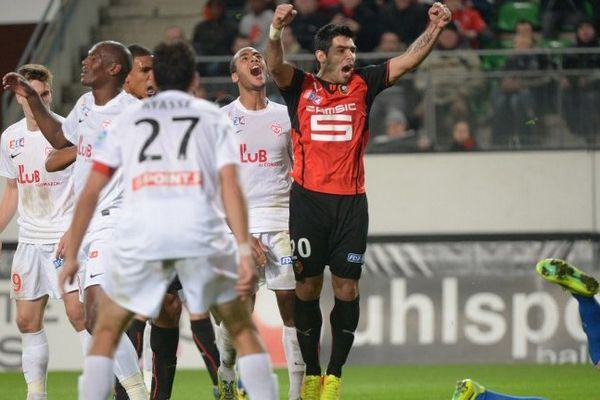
60	159
281	72
50	126
237	216
439	17
84	211
8	205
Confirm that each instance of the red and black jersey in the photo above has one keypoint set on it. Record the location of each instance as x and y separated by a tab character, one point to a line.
330	128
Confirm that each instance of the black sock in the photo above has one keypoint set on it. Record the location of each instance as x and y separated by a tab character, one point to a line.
204	337
344	320
136	335
164	342
308	321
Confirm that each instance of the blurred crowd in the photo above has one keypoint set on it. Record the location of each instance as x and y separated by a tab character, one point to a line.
479	101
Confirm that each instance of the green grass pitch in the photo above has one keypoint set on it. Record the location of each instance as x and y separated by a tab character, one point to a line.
564	382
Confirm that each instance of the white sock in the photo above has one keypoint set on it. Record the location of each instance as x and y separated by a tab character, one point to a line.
127	370
35	363
98	380
256	373
295	363
147	357
226	348
85	339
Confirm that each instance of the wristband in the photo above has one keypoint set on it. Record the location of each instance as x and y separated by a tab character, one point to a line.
244	249
274	33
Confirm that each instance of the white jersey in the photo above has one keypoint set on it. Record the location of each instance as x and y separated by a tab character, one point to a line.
170	148
264	150
45	198
86	127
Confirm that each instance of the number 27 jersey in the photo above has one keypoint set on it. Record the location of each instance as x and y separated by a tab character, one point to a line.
330	128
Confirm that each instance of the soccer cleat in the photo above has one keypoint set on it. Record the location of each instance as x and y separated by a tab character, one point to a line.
227	390
571	278
331	387
467	389
311	388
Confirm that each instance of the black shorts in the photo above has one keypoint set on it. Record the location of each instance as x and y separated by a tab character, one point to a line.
328	229
175	286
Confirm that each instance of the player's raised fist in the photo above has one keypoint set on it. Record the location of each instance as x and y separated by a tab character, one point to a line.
18	84
284	15
440	14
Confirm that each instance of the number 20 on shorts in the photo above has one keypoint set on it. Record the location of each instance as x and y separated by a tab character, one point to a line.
303	247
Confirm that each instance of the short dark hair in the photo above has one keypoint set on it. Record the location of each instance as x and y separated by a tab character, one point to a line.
36	72
120	55
325	35
138	50
174	65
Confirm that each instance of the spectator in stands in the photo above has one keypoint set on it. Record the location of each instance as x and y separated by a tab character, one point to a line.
255	24
450	78
513	102
361	20
406	18
559	14
471	26
582	89
525	28
239	43
398	137
290	43
389	42
462	139
213	37
174	33
308	21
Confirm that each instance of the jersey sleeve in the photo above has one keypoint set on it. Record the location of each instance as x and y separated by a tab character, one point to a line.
376	78
226	152
7	169
292	94
108	151
69	126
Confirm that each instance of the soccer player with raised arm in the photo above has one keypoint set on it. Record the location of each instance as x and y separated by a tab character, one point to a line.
328	206
45	204
262	134
103	70
179	166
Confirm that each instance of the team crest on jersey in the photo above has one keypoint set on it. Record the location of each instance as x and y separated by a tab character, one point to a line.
239	120
276	128
313	97
105	125
17	143
84	110
343	89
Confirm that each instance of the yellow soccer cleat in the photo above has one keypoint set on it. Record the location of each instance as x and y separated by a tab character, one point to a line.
571	278
311	388
467	389
331	387
227	390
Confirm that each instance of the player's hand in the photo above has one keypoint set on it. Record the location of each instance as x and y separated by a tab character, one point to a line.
67	272
247	278
63	243
18	84
440	15
283	16
259	252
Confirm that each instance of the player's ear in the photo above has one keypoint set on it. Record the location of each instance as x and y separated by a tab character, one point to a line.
235	77
115	69
321	56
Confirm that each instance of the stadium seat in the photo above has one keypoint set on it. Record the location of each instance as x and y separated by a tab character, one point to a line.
511	12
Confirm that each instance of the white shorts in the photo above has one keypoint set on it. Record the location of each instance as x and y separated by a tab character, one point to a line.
278	273
96	251
139	286
34	272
